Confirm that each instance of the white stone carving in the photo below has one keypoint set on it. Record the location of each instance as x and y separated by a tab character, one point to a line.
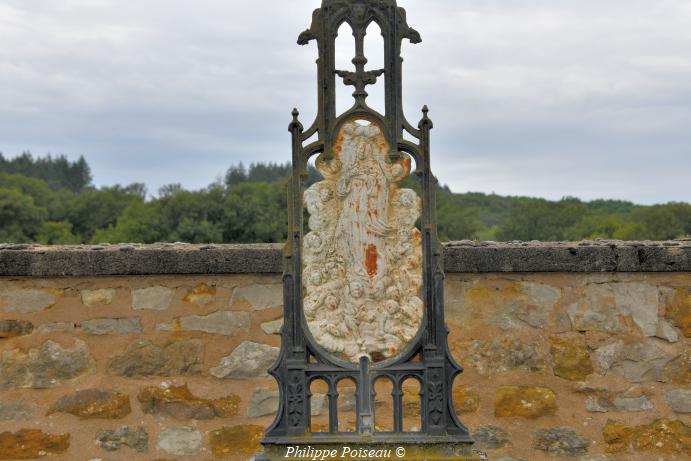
362	259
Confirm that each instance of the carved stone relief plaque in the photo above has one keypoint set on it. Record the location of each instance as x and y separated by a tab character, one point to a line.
362	259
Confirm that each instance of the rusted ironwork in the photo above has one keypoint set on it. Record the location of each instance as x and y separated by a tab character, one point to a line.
427	359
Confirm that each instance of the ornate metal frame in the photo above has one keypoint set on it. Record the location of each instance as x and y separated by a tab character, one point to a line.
301	360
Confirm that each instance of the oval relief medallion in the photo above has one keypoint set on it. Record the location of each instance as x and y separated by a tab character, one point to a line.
362	259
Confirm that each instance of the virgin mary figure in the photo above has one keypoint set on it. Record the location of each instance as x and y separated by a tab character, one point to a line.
363	188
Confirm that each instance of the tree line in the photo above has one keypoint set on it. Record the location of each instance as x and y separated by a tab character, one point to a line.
52	200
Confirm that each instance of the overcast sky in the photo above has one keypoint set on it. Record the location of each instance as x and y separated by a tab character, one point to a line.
586	98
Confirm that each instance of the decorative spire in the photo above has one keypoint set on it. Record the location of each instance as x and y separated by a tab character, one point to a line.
426	122
295	123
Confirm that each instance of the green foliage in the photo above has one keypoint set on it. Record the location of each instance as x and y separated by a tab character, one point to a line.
256	212
542	220
492	208
56	233
140	222
95	209
257	172
20	218
663	222
195	217
595	226
611	206
251	206
266	172
57	172
454	221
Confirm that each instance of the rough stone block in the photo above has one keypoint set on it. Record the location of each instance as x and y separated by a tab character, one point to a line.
26	301
180	441
604	401
679	310
617	307
48	366
537	303
490	437
679	400
179	403
633	404
16	411
144	359
667	332
102	297
55	327
465	399
661	436
248	360
32	444
93	404
640	361
640	301
115	439
96	327
263	402
507	304
273	327
597	310
14	328
570	357
524	401
501	355
236	441
257	297
154	298
226	323
561	441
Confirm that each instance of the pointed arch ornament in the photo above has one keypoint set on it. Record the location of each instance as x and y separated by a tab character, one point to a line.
363	276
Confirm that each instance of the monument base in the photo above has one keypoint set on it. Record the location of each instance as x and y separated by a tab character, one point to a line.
374	450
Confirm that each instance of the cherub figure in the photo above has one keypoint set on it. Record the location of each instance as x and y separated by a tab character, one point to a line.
314	246
316	198
388	321
407	208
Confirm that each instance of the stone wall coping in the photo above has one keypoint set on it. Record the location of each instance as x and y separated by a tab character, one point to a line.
460	257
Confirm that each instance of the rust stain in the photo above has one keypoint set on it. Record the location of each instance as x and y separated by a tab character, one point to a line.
201	294
371	259
407	163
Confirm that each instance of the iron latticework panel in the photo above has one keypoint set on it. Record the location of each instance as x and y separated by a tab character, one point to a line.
427	358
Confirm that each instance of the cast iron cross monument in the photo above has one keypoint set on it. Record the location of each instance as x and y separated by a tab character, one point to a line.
363	280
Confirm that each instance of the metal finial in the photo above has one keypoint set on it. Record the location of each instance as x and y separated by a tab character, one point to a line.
426	121
295	123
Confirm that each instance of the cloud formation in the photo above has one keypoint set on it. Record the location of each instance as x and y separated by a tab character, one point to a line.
529	97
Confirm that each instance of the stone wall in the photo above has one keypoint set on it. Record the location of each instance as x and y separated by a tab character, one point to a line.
160	352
